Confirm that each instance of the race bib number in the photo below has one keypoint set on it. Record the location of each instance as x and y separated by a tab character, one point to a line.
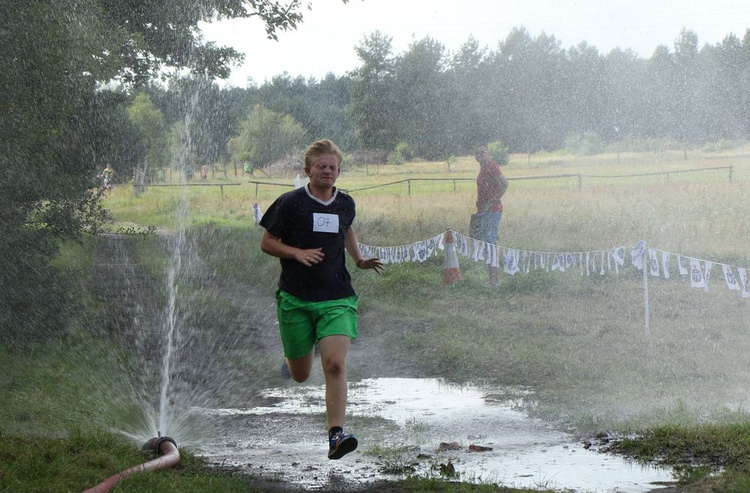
325	223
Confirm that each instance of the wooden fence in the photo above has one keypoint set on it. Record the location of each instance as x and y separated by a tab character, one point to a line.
578	176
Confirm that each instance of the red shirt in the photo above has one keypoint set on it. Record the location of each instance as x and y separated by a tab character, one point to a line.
491	185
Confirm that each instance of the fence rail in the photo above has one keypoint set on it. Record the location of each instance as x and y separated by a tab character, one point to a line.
141	188
579	177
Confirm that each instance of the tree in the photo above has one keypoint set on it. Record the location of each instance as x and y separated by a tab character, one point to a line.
266	136
686	79
584	85
373	105
420	98
162	34
469	113
623	92
57	127
149	123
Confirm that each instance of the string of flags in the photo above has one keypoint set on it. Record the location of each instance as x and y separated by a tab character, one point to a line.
659	263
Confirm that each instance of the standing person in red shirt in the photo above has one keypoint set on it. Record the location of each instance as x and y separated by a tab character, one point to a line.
491	185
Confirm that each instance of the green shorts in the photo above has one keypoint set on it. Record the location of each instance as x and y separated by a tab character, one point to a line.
303	323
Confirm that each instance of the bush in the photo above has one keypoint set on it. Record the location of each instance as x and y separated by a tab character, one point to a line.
585	144
498	152
401	154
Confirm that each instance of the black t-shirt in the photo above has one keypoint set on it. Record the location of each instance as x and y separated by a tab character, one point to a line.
298	219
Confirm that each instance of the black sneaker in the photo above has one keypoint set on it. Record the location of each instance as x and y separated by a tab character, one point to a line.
341	444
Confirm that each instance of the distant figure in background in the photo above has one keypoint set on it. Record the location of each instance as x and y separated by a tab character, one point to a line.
188	172
108	176
257	213
491	186
310	230
204	172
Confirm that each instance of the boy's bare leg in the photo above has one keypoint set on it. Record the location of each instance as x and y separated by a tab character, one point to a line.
333	351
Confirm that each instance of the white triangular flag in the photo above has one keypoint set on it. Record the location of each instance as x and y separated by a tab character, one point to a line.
653	263
707	272
665	264
385	252
420	251
619	256
495	256
465	246
511	261
482	249
637	253
732	283
744	281
681	261
431	245
555	261
696	274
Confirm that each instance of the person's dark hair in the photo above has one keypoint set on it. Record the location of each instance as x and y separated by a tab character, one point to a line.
320	147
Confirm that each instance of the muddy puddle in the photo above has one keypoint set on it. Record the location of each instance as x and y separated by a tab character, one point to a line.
419	427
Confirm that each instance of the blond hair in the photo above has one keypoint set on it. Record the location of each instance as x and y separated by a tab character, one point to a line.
320	147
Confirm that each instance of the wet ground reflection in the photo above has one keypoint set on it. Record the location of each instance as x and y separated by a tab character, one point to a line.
403	422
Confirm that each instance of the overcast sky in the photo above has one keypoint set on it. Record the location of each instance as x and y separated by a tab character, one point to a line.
325	40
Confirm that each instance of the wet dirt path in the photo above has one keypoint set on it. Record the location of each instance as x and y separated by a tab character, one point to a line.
274	430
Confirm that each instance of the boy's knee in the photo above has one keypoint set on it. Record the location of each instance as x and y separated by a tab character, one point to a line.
334	366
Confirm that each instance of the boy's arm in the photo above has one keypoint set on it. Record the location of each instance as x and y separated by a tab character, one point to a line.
352	246
273	246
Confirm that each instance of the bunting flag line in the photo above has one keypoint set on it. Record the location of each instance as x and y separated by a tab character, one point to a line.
514	261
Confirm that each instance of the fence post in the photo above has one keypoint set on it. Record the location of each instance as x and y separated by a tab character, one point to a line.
644	262
580	181
731	168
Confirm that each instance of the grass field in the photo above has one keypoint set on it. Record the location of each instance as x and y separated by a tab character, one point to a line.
577	341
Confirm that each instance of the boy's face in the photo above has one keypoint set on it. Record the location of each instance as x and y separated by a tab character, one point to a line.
323	171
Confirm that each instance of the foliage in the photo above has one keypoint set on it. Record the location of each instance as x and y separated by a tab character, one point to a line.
373	106
161	35
585	144
149	123
401	154
51	140
59	127
533	94
499	152
265	137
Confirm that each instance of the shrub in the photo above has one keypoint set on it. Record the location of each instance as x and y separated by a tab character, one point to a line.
498	152
585	144
402	153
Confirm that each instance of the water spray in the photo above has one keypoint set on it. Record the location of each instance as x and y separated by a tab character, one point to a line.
167	456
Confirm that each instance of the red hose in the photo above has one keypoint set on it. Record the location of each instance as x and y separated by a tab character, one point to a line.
170	457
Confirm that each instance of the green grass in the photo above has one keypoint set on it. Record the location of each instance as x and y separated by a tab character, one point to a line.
578	342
